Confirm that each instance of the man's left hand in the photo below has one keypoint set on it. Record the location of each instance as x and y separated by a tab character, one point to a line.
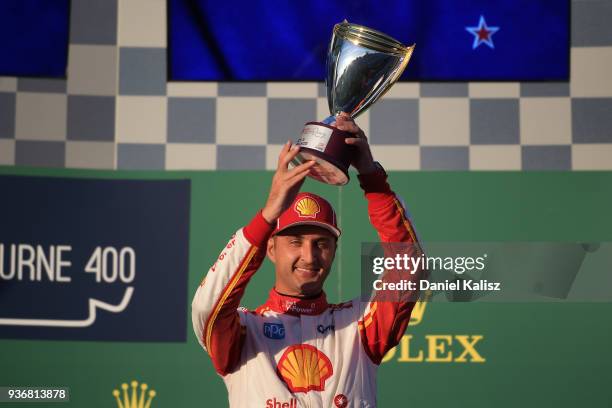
363	160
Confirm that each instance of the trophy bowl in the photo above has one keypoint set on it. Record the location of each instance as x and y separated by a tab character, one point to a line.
362	65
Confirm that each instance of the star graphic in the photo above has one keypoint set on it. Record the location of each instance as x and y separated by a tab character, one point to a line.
482	33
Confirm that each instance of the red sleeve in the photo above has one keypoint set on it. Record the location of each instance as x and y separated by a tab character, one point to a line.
384	321
215	317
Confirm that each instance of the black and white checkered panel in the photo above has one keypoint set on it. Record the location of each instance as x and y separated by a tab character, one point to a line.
116	109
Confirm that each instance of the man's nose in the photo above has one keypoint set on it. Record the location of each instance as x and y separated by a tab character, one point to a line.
309	254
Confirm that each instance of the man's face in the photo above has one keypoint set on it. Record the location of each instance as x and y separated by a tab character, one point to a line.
303	256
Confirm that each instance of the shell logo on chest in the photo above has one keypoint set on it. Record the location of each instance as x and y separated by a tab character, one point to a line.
304	368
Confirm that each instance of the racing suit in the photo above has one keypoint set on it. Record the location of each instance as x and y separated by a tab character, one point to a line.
293	352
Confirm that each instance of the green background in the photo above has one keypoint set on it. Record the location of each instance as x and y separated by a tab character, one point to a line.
540	355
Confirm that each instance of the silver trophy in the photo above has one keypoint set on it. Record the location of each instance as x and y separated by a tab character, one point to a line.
362	65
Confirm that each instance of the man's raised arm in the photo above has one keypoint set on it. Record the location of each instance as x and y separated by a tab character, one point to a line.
214	308
387	314
385	317
215	317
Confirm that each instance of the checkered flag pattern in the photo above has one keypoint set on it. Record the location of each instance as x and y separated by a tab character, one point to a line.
116	109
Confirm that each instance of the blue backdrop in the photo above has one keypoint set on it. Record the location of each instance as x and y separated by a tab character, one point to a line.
285	40
34	37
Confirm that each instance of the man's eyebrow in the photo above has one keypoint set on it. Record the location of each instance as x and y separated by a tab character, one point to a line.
300	236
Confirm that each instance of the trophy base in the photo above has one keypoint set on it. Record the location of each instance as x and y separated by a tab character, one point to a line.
325	145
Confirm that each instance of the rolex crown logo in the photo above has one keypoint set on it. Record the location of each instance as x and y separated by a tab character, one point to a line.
131	399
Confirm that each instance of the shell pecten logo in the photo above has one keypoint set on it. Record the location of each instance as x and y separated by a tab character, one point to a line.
131	399
304	368
307	207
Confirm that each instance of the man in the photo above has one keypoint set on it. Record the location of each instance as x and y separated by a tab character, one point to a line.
296	350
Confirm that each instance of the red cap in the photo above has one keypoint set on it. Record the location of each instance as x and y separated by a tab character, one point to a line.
308	209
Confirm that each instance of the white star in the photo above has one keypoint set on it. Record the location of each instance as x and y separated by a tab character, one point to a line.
482	33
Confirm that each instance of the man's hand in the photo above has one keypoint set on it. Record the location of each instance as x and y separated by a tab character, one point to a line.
286	183
363	160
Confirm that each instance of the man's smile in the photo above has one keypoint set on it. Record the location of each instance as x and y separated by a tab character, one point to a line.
307	272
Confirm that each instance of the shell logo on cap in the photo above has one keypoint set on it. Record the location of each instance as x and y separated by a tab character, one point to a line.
304	368
307	207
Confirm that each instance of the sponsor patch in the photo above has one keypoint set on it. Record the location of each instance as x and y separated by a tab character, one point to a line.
274	331
274	403
304	368
340	401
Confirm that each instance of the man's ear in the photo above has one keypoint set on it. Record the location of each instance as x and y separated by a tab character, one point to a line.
271	250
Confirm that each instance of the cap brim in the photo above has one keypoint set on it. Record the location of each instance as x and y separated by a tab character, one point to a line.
328	227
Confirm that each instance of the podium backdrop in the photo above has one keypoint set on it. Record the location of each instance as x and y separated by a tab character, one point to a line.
492	354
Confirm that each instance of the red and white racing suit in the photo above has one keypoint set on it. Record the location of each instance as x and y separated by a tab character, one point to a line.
290	352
